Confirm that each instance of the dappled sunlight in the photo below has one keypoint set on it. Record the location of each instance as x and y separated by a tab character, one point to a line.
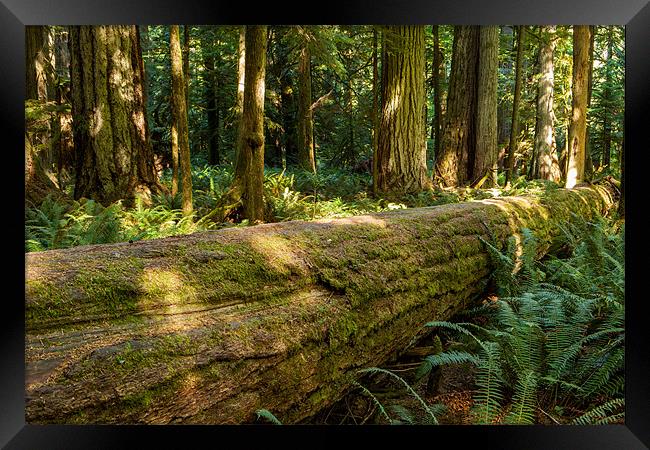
276	251
355	220
166	290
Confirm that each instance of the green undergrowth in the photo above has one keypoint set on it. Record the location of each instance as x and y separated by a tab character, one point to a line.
290	195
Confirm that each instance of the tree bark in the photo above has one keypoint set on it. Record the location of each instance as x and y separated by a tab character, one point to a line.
239	106
210	327
401	145
578	127
179	106
438	67
547	166
306	157
589	163
374	116
186	64
607	100
486	153
514	129
114	157
459	138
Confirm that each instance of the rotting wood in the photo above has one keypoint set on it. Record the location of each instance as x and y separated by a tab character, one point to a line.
210	327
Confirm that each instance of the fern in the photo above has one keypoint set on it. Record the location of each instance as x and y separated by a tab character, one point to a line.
602	414
266	414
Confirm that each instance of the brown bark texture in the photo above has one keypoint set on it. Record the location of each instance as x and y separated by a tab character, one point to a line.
401	140
114	157
179	106
486	153
210	327
580	87
306	156
547	166
459	138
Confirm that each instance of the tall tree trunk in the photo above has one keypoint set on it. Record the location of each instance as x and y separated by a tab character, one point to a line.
438	65
211	101
607	100
306	157
459	139
486	155
38	63
589	164
621	201
253	125
63	125
578	128
179	107
402	148
514	129
241	74
114	157
547	166
374	113
186	64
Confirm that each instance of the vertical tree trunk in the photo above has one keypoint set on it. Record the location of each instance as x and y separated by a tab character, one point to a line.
621	202
514	129
578	128
546	166
186	64
436	127
402	149
211	101
241	74
375	104
179	107
38	63
486	155
306	157
253	125
40	135
589	164
114	157
459	139
607	100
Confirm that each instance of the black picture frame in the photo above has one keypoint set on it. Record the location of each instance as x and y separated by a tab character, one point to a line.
15	14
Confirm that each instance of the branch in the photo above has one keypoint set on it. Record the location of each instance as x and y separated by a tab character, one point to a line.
320	101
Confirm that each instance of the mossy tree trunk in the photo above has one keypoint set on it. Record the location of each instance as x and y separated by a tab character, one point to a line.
486	153
401	144
114	157
179	107
546	165
210	327
437	73
39	139
452	166
589	163
514	129
247	189
306	156
580	87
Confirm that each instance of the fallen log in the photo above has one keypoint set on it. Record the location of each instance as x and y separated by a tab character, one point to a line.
210	327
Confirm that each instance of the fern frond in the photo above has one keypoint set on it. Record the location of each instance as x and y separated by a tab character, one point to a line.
266	414
601	414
